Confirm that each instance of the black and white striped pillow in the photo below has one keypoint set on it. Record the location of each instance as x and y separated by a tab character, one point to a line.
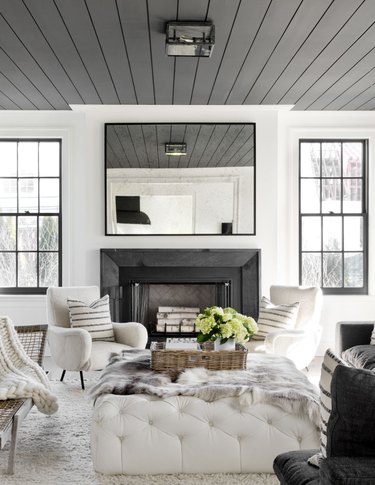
95	318
330	362
275	317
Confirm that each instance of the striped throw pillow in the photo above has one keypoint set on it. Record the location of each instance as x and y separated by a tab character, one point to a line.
275	317
95	318
330	362
373	337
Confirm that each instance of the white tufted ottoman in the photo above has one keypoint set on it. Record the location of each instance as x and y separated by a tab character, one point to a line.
139	434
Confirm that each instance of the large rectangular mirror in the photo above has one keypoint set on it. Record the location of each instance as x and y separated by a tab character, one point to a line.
180	178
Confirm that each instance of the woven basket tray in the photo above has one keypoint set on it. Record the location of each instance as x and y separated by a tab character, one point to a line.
163	359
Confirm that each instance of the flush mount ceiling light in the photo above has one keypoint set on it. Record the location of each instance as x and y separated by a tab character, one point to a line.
190	39
176	149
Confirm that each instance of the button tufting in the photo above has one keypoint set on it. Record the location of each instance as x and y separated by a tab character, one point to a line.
168	428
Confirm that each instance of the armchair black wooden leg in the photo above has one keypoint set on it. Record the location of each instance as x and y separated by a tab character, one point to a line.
62	375
82	381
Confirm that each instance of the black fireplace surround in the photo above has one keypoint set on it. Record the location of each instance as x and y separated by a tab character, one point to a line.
234	273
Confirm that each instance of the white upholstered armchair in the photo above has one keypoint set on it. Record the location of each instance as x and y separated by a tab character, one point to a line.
72	348
301	342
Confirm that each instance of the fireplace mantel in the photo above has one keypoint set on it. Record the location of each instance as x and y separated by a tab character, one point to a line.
121	267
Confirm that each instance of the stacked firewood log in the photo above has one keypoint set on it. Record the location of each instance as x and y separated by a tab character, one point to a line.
176	319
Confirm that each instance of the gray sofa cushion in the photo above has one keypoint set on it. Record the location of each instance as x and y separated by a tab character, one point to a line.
351	427
361	356
346	470
291	468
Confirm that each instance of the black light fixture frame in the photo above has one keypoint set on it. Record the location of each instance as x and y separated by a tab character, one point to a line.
200	35
176	149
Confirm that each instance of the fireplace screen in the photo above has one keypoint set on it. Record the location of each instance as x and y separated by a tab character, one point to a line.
173	308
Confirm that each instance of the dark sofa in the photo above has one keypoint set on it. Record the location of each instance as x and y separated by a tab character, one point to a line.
350	334
351	427
353	344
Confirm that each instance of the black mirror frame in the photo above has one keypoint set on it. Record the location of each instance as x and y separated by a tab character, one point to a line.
178	123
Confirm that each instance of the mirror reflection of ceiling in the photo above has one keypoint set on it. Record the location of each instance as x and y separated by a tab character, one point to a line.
207	145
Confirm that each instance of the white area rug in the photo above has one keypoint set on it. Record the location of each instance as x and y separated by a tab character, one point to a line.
55	450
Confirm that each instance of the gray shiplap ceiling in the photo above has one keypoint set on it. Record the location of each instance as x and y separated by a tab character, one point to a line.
315	54
208	145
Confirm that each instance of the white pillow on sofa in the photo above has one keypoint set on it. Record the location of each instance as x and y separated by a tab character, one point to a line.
94	317
330	362
275	317
372	342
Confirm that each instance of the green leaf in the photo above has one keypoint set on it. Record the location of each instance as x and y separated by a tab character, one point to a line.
203	337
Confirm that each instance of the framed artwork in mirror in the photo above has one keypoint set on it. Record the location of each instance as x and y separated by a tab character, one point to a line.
179	179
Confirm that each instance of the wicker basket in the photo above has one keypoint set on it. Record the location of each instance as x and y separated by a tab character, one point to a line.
163	359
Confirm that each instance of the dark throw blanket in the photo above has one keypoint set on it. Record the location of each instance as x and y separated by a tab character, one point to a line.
268	379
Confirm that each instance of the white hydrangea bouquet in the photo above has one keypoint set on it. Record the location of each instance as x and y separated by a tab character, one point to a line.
224	324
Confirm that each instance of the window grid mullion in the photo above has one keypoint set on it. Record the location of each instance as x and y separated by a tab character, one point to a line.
18	210
342	215
321	216
37	222
299	218
342	211
17	252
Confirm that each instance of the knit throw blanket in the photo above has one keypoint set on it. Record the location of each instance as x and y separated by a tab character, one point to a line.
268	379
20	376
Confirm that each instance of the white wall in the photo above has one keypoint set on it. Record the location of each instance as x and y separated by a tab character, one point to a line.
292	126
266	146
70	127
83	188
277	133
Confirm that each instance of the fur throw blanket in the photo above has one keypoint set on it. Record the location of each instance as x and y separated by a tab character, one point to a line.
20	376
268	379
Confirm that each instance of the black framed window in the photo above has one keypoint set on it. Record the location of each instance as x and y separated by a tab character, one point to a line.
333	223
30	215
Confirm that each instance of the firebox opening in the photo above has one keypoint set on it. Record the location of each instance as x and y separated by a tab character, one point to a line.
171	308
123	269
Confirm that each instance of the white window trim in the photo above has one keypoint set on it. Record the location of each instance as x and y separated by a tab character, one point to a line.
66	136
